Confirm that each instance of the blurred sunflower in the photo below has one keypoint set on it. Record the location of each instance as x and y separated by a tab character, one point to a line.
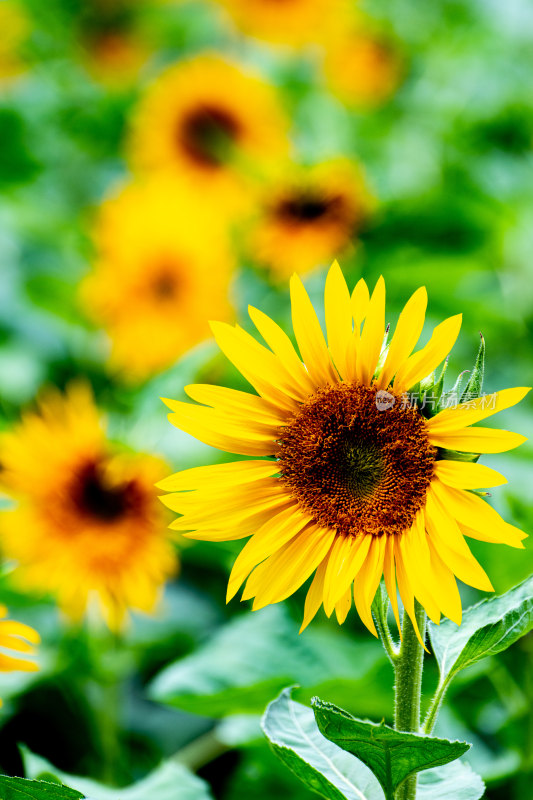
158	278
15	28
309	216
362	69
15	637
288	22
87	521
348	479
215	126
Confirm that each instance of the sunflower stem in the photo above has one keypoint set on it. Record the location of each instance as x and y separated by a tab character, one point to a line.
408	686
389	645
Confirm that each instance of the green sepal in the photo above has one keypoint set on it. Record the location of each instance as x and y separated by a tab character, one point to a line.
474	387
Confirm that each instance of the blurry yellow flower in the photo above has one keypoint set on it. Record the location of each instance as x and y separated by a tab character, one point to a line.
87	521
16	638
308	217
163	270
291	22
14	27
362	69
212	124
345	480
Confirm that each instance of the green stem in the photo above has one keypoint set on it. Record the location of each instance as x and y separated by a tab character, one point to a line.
434	707
387	641
408	687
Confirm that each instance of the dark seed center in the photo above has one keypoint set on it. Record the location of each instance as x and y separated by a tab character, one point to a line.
208	134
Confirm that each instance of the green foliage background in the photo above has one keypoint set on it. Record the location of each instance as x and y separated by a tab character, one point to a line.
450	160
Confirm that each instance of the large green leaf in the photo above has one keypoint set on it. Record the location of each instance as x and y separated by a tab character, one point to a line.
326	769
22	789
457	781
487	628
391	755
170	781
253	657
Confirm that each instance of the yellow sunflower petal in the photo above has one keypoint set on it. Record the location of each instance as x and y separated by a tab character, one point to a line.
235	403
389	573
406	593
282	347
470	510
447	538
348	555
360	301
269	538
338	318
406	335
309	336
424	361
313	599
11	627
367	582
477	440
416	561
453	419
467	475
444	586
285	571
343	606
219	476
10	664
372	336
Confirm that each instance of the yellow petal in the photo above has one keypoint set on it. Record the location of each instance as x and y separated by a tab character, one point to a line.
452	419
269	538
372	336
281	345
360	300
444	587
406	335
343	606
348	555
389	573
477	440
367	582
235	403
313	599
406	593
285	571
425	361
338	318
445	535
470	510
222	476
309	336
467	475
415	558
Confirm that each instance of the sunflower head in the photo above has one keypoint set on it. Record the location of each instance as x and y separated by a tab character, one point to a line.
308	215
349	480
214	125
157	278
92	522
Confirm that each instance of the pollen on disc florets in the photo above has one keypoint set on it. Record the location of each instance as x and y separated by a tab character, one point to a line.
357	459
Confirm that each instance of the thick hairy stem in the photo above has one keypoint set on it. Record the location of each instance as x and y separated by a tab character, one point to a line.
408	687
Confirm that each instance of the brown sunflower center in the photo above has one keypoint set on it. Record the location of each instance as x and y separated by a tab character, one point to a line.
308	207
358	460
95	497
165	285
208	134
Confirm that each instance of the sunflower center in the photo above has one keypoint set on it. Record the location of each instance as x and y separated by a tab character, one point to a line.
308	208
208	134
165	285
357	459
95	497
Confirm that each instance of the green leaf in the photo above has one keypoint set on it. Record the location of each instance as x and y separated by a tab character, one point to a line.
170	781
322	766
22	789
457	780
487	628
391	755
252	658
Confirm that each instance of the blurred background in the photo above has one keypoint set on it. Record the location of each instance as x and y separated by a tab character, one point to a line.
163	163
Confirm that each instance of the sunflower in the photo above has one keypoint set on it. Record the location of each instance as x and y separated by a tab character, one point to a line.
288	22
362	68
158	277
20	639
213	125
308	216
347	480
87	520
